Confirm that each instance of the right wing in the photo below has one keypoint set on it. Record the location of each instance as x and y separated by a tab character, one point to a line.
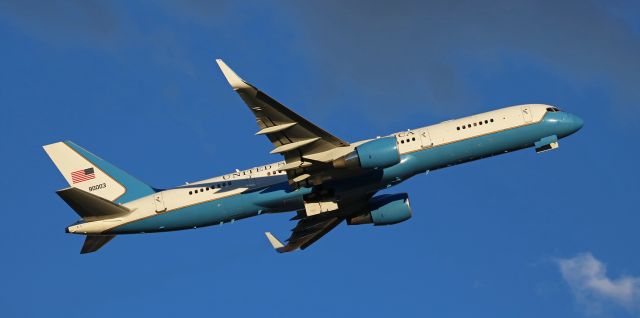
300	141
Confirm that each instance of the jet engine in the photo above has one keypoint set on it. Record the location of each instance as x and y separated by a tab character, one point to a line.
384	210
377	153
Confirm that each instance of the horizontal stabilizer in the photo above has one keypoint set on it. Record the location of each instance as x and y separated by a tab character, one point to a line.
90	206
94	242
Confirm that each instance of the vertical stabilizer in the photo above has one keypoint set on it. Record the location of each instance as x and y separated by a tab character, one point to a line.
90	173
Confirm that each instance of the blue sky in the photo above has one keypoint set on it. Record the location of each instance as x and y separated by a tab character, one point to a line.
520	235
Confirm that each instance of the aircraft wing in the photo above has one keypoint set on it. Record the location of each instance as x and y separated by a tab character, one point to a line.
296	138
311	228
306	232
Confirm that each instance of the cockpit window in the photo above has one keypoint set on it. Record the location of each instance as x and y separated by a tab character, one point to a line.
553	109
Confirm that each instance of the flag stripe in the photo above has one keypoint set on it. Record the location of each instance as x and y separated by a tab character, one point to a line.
82	175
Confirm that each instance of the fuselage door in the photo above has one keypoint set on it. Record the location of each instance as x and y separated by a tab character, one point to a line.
159	202
526	113
425	139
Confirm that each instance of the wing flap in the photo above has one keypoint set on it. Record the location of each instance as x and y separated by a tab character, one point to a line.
275	129
294	145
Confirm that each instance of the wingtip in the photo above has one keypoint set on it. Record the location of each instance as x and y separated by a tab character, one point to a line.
234	80
277	245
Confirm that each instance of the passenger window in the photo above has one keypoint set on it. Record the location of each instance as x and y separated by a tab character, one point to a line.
401	141
190	192
458	128
480	123
474	124
414	138
464	127
486	121
491	120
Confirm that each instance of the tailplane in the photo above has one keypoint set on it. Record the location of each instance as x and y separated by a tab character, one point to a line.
94	242
90	173
89	206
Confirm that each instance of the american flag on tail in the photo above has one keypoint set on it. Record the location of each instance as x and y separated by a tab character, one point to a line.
82	175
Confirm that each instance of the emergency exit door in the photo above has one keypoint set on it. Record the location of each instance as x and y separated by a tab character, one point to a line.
159	202
425	139
526	113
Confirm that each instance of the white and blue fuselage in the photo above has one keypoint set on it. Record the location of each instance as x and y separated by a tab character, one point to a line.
265	189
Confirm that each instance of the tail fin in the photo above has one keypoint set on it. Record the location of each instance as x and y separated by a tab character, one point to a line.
88	172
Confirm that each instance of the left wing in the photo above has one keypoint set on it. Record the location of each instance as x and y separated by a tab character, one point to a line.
306	232
311	228
301	142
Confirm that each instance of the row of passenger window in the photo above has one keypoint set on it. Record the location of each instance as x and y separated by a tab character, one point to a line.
408	140
213	186
475	124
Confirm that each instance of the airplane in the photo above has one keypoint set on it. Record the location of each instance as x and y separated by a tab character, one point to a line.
323	178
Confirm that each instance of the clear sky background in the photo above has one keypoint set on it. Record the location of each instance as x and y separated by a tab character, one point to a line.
520	235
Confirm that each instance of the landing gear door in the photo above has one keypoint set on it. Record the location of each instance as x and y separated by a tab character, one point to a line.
526	113
425	139
159	202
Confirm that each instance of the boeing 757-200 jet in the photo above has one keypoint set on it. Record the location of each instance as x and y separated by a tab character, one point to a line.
325	179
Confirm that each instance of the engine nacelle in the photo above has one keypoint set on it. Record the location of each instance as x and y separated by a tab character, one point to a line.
385	210
377	153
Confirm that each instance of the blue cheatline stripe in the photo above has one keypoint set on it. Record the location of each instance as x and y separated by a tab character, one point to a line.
278	197
134	188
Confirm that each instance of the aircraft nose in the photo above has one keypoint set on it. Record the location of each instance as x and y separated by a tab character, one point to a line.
575	122
571	123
